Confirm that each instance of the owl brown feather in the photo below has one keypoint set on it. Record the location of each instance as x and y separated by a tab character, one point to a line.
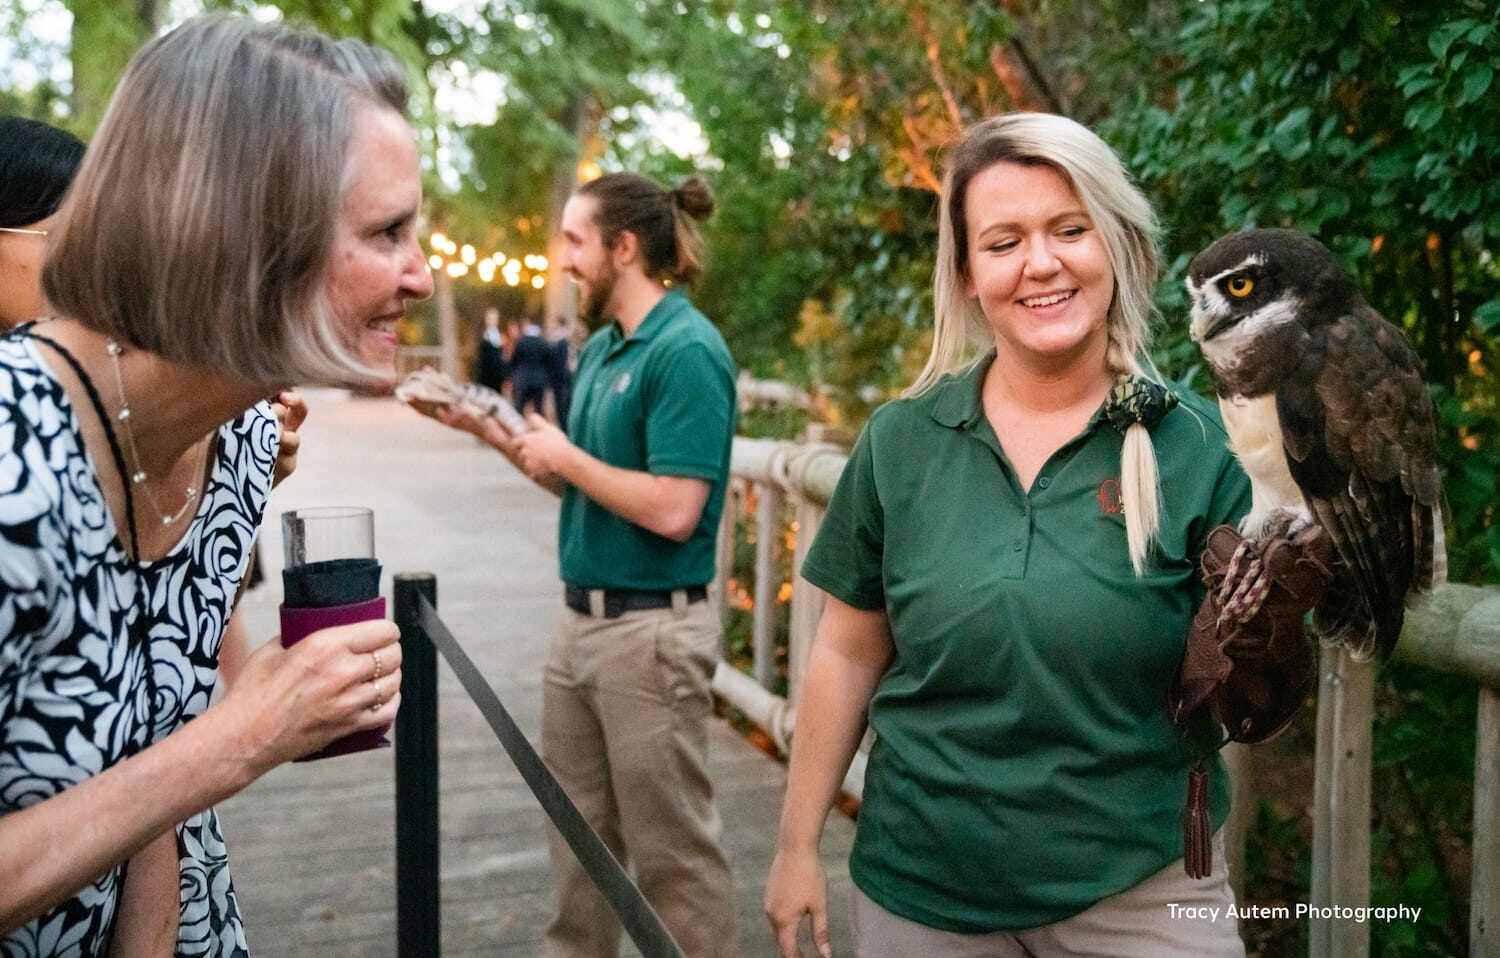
1355	419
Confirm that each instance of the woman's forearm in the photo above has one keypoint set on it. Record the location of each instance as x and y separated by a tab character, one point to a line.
147	918
835	694
55	847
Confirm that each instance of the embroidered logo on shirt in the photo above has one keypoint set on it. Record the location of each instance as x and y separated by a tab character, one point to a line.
1110	503
622	383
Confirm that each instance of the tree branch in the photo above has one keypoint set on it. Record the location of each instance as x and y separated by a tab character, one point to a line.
1039	81
1433	332
1014	81
935	62
1451	328
920	165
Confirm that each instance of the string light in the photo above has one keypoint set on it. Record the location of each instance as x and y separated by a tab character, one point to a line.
449	257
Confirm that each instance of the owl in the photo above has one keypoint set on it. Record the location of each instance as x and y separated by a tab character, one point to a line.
1328	413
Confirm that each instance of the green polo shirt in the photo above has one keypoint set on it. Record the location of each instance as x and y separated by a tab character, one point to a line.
659	401
1024	766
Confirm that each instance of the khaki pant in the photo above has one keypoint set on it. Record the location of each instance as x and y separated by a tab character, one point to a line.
1139	922
625	711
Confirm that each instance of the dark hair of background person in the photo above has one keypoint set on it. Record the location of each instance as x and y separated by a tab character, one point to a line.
37	162
663	221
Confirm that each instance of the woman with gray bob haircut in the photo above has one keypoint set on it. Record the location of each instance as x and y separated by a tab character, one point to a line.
1023	793
244	220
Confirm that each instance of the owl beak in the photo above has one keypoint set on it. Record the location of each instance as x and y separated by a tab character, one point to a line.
1218	326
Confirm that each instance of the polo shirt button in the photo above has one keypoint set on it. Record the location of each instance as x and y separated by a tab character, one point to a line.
1020	544
1044	482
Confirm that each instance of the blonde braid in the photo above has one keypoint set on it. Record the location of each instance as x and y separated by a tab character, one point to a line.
1140	491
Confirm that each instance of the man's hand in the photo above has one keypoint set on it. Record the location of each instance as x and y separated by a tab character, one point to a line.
291	411
543	451
476	422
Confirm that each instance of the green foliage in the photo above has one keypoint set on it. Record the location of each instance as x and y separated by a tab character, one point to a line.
818	202
1369	123
1423	798
1392	167
47	100
105	36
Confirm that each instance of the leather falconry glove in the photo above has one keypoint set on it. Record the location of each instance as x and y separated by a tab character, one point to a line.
1248	661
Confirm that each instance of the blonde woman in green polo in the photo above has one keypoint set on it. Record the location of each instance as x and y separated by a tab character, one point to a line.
1010	559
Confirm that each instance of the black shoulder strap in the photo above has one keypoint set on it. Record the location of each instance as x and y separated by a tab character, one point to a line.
109	433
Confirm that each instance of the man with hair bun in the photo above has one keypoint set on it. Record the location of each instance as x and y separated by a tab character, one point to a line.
642	471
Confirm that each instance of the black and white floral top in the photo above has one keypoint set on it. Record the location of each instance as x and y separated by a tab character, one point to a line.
73	690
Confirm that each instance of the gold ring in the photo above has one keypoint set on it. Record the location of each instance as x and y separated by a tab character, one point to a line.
380	700
379	670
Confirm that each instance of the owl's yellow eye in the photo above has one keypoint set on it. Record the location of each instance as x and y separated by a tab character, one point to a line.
1240	286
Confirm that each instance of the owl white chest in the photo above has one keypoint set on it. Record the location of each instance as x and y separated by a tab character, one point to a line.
1255	438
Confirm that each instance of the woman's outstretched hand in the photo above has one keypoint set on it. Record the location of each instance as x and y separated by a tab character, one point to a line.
291	410
286	703
797	887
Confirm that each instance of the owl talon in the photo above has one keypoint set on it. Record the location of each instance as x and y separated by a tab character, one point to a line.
1285	523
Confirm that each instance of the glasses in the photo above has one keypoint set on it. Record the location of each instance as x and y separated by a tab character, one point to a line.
26	232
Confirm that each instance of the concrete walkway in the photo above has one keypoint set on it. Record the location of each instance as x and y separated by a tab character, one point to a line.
312	846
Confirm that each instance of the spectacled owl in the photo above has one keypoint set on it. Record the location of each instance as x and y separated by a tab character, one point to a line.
1327	411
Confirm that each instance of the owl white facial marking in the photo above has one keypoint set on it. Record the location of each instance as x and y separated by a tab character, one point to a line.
1227	349
1208	304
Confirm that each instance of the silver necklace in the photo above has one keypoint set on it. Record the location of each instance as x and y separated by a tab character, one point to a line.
138	477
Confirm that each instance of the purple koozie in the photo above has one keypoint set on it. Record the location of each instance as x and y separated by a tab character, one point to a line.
297	624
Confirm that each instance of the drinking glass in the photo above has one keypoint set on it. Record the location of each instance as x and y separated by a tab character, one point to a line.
331	578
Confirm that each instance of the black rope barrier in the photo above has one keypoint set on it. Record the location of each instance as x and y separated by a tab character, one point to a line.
417	616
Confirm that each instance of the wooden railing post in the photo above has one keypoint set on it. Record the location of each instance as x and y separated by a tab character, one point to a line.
724	550
418	908
1341	805
1484	917
1241	807
768	506
1480	631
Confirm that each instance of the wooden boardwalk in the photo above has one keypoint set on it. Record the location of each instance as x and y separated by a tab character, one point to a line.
312	846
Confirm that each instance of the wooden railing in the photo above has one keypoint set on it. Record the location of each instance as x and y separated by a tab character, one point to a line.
1457	631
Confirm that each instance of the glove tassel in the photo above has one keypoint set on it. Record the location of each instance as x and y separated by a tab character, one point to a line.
1197	848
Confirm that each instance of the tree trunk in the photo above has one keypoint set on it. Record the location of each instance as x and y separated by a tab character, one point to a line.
106	34
562	300
1434	321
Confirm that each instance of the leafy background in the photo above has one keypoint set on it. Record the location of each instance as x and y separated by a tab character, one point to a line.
1374	124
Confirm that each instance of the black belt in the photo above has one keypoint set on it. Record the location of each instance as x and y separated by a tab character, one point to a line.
619	601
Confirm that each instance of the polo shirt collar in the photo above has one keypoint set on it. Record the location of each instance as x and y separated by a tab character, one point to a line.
656	319
957	403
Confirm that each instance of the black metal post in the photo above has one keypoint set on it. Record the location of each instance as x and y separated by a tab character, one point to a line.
418	910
